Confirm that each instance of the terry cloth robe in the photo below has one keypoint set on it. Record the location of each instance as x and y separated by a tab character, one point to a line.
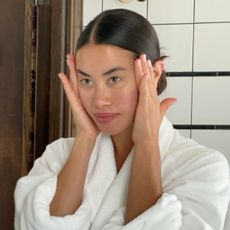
195	195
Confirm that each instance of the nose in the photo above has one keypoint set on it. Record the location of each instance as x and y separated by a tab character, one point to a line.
102	97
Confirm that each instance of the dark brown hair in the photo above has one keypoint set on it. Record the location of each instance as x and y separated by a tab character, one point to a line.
125	29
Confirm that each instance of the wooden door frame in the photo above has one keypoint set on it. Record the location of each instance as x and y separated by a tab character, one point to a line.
51	32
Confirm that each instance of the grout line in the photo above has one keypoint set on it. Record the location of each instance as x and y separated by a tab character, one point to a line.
216	22
147	10
192	80
189	23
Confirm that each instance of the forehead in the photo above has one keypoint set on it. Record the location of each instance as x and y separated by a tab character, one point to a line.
103	56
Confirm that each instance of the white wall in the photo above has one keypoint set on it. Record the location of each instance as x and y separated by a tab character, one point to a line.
196	36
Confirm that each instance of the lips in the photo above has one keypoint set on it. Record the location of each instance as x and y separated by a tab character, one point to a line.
105	117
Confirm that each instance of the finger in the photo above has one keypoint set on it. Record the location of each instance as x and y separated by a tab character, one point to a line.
144	65
152	74
138	72
152	84
147	69
72	69
144	91
165	104
152	77
68	89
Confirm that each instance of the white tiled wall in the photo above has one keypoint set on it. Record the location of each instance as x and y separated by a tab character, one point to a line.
93	7
195	34
212	46
211	100
139	7
90	10
212	10
179	87
173	21
176	42
165	11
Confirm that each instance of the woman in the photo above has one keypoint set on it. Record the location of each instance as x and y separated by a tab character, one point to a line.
127	168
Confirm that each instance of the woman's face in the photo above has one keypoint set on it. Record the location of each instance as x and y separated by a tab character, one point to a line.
107	86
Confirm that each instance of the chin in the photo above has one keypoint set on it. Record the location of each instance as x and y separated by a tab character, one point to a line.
114	129
110	131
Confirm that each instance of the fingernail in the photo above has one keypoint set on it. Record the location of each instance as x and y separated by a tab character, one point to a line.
138	61
149	63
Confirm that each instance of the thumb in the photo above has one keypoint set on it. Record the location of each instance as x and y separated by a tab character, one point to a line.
165	104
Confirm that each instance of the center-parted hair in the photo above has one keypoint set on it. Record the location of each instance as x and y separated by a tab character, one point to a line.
125	29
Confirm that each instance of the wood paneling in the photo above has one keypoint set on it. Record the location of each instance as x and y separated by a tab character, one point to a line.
34	41
58	51
29	88
66	24
36	83
11	94
75	27
43	80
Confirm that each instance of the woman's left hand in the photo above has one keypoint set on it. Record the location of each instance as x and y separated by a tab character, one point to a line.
150	110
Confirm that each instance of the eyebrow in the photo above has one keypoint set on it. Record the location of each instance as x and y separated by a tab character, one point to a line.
110	71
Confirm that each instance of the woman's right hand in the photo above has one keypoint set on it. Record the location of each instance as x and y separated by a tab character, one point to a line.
84	124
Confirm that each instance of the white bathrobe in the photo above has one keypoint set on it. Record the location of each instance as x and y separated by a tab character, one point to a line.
195	184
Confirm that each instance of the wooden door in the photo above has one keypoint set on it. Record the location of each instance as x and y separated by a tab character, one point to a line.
35	37
11	100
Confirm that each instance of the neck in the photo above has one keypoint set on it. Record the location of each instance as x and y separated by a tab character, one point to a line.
123	144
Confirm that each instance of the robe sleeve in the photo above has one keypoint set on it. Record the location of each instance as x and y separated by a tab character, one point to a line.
34	193
196	193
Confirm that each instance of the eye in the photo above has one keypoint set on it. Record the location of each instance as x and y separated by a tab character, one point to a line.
114	80
86	82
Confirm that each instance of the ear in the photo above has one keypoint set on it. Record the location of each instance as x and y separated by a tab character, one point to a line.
158	68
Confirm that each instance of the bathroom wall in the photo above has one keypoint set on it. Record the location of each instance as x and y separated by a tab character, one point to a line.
196	37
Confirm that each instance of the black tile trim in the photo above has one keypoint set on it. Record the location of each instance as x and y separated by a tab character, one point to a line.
198	74
189	23
210	127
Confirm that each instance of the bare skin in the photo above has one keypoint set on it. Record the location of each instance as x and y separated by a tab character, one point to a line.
140	132
76	166
145	185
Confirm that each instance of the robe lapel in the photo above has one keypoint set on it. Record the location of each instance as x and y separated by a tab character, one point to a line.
116	195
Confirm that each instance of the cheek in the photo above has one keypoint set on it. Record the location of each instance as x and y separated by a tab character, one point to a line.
85	99
129	100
